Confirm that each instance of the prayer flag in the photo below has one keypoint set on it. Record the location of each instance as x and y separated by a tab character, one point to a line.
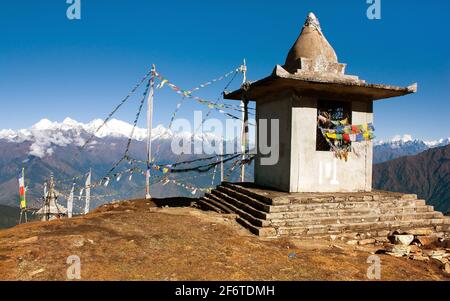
88	193
22	191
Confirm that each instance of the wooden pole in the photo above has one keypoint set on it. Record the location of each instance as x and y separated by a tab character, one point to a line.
25	195
50	198
221	162
70	202
25	210
149	132
87	189
244	133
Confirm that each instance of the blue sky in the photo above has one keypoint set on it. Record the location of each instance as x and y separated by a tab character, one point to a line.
52	67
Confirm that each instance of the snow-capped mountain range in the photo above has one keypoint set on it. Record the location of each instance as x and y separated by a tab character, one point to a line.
398	141
405	145
54	148
46	134
48	148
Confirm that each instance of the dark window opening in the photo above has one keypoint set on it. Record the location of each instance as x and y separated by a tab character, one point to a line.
334	110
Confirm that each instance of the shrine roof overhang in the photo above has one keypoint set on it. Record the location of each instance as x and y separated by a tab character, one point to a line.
314	84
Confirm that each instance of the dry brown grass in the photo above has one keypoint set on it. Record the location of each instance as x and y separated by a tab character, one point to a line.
137	241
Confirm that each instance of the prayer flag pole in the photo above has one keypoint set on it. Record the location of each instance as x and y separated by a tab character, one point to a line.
221	161
244	133
70	202
149	132
88	192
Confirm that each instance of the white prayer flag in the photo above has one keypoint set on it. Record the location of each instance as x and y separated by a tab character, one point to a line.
88	193
45	190
70	202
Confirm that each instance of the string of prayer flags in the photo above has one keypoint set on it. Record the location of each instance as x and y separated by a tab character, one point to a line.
174	115
210	104
124	100
366	136
161	84
165	181
191	188
214	80
352	129
201	86
339	134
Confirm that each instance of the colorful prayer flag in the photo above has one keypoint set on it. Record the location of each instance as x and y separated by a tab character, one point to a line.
22	191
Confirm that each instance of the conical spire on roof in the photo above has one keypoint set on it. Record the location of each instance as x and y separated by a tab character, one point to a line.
312	51
312	21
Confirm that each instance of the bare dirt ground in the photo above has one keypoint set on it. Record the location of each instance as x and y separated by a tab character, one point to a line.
137	241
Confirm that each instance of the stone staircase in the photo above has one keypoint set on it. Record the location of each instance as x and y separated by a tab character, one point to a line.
345	216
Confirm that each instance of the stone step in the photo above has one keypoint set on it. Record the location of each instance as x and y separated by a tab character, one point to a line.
205	204
346	216
355	219
347	205
260	231
219	204
228	198
243	214
259	197
318	213
379	234
353	205
359	227
306	198
353	199
257	205
261	219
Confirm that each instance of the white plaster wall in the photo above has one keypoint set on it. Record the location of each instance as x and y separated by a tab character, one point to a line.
314	171
301	168
276	176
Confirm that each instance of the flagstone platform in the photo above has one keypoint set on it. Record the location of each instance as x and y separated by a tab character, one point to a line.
345	216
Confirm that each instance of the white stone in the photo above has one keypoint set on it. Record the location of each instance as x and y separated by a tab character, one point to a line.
404	240
398	250
446	268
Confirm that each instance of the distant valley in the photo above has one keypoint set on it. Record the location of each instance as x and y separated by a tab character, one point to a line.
426	174
54	148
